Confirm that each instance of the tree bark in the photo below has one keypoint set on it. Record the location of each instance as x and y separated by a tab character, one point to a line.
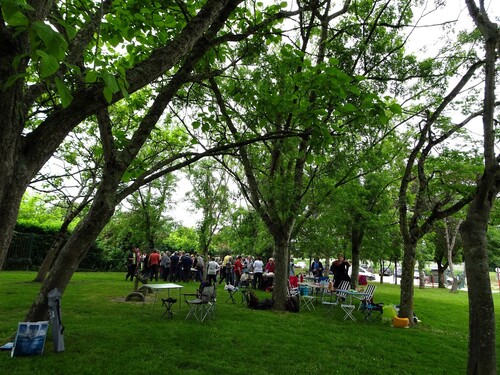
481	352
281	256
9	207
51	255
482	340
74	251
407	286
451	236
357	235
24	154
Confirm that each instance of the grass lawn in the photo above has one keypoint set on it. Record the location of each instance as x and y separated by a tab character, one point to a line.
105	335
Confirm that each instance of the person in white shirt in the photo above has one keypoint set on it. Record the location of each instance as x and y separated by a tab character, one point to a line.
258	268
213	268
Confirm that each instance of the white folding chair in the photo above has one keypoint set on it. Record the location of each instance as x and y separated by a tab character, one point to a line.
348	309
307	300
330	306
342	298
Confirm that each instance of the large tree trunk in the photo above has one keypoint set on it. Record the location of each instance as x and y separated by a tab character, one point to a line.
407	287
281	256
451	237
73	252
51	255
10	201
441	270
13	180
356	240
421	275
482	341
24	154
482	355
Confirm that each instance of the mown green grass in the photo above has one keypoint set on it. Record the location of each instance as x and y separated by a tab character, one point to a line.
105	335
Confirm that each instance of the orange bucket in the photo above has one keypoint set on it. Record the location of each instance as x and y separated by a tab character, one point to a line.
400	322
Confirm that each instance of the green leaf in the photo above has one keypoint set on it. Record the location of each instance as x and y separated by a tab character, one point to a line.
395	108
108	95
54	43
349	107
14	78
170	21
49	64
12	13
91	76
110	82
63	92
123	87
17	59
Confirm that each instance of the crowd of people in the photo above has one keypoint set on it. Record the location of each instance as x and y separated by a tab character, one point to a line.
167	266
180	266
240	270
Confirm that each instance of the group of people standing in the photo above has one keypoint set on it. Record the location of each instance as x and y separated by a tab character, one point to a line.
244	270
179	266
176	266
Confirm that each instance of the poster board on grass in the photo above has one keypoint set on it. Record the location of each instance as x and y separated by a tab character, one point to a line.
30	338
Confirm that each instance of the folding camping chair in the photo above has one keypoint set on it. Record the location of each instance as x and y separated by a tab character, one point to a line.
231	290
246	298
371	310
306	298
168	303
342	297
330	306
202	307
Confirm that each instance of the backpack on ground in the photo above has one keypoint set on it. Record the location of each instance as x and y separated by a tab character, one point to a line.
292	304
254	300
254	303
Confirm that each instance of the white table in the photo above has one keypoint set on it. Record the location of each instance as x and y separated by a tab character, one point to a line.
167	286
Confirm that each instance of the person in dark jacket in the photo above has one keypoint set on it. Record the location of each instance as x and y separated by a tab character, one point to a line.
340	269
187	263
174	265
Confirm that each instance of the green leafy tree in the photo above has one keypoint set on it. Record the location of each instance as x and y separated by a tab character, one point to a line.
72	187
210	194
128	161
332	112
182	239
150	204
447	242
142	221
64	62
245	234
482	341
35	210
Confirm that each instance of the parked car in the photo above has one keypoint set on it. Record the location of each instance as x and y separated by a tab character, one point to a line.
367	267
369	275
416	274
448	280
364	272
